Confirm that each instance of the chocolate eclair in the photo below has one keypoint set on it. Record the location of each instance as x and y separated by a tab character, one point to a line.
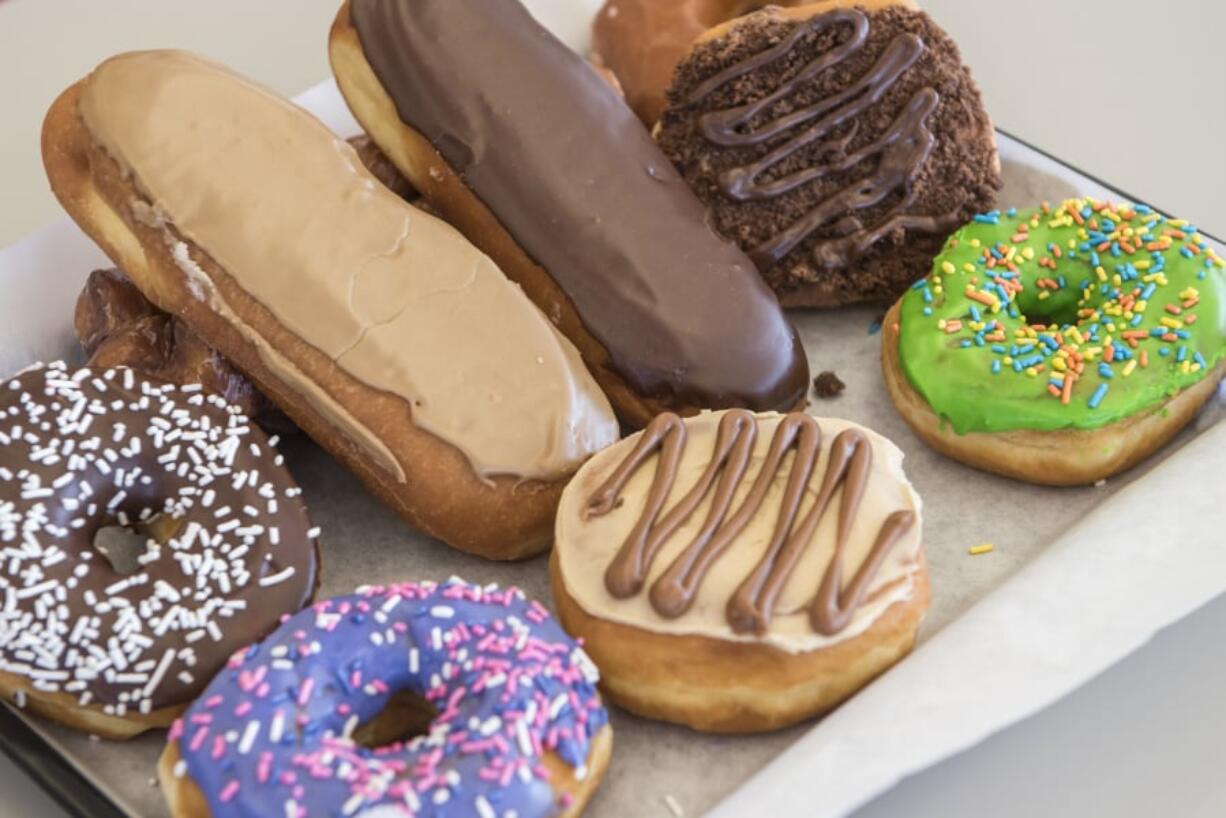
839	145
528	151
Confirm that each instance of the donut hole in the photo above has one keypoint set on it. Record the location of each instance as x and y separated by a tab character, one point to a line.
1058	310
406	716
123	544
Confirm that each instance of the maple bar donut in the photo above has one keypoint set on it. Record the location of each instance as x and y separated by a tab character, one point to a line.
736	572
378	329
228	548
117	326
1060	344
838	145
529	152
308	723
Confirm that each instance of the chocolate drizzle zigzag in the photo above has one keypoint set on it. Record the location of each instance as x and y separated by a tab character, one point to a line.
900	151
751	606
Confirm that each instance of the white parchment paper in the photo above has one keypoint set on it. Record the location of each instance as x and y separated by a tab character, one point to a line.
1079	578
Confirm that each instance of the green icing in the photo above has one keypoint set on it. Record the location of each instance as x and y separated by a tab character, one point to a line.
1109	273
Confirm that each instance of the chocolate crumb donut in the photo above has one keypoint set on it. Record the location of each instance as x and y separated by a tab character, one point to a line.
838	146
228	547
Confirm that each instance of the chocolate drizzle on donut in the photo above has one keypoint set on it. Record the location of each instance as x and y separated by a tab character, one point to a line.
751	606
900	150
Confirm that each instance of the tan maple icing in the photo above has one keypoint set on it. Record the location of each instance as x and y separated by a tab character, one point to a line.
730	531
400	300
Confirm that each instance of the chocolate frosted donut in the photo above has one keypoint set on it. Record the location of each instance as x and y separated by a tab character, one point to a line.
229	547
838	146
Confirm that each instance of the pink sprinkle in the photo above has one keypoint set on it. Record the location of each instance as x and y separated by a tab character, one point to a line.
264	768
261	692
176	731
567	799
219	747
304	693
213	701
243	709
198	739
202	718
229	791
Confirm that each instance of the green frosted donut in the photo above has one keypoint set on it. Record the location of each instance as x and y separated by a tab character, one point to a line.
1069	317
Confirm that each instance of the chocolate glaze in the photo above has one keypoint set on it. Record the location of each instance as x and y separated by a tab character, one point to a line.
750	608
900	150
572	175
152	456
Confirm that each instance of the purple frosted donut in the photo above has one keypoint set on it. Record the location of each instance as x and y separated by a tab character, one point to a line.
519	730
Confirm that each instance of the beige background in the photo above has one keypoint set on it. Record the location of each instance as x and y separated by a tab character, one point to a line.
1134	98
1052	73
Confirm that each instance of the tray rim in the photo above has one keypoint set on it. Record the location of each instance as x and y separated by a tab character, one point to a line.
80	797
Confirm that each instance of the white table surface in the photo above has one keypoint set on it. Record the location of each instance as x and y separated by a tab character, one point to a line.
1142	740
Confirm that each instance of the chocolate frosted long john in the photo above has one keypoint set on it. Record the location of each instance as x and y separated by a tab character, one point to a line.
573	177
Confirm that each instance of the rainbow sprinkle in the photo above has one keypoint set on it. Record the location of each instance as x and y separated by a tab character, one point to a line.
1101	336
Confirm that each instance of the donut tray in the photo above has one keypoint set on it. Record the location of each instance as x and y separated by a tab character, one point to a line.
657	769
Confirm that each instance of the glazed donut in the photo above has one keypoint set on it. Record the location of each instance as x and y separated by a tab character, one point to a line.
838	146
1060	345
379	330
229	547
117	326
380	167
534	158
714	582
640	42
308	722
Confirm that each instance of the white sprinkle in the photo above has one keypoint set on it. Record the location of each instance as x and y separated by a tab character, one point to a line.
442	612
273	579
674	807
156	679
484	809
277	730
250	733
